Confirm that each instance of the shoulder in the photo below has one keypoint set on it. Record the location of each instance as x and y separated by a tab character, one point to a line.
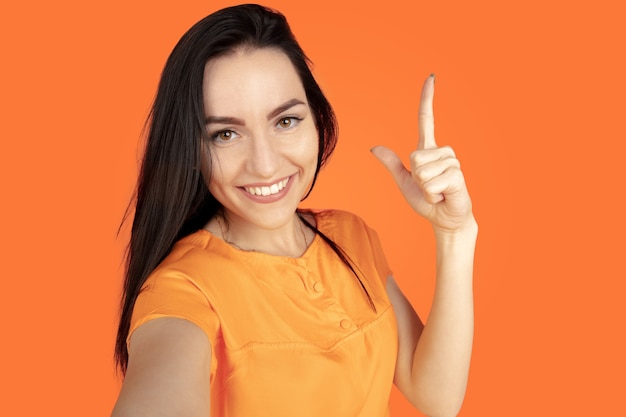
180	287
182	281
194	255
345	228
333	219
342	226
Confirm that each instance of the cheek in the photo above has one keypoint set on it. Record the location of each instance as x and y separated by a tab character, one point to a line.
312	146
315	145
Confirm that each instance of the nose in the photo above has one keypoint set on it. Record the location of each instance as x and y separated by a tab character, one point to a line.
264	157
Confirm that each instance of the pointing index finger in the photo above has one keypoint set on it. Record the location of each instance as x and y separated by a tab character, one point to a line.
426	118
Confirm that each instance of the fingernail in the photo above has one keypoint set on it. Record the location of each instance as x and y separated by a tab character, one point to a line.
433	75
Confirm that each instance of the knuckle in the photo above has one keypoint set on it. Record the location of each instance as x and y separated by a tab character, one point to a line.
454	164
448	151
420	174
418	158
416	155
429	188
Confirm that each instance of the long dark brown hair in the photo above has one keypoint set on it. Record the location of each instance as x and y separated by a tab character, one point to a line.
171	199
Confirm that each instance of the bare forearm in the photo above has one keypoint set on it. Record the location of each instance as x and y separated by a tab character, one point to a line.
441	359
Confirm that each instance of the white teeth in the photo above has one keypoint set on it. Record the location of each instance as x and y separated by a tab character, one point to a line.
265	191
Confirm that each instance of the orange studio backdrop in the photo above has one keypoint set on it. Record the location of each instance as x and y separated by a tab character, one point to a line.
529	94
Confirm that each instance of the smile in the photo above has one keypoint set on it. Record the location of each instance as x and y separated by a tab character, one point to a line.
268	190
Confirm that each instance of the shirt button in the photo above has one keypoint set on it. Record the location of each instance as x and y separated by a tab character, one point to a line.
318	287
345	324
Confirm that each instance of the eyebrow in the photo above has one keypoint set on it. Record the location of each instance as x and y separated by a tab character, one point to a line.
236	121
285	106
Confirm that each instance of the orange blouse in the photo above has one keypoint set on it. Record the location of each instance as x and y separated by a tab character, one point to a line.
289	336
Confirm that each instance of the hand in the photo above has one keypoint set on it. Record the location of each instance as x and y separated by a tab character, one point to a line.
434	187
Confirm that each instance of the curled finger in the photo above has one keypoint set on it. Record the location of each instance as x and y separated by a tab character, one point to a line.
424	173
449	182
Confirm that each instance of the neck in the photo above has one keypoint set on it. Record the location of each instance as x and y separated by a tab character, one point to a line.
291	239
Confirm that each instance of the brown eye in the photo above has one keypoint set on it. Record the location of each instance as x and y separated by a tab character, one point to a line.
288	122
223	136
285	122
227	135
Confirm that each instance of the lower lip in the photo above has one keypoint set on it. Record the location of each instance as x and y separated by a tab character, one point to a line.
265	199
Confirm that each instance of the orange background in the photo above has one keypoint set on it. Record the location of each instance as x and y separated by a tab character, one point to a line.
530	94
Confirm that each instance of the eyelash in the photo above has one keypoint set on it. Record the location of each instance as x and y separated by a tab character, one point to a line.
293	119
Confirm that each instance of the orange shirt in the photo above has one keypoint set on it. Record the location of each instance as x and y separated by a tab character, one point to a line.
289	336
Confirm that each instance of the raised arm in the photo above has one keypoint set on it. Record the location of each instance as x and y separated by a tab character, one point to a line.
168	371
433	359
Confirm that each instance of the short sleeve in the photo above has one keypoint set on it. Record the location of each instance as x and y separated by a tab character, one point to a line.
172	293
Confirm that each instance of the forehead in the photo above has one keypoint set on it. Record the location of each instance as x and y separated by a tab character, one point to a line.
250	80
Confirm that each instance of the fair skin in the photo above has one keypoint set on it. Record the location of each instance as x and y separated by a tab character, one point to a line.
433	360
262	141
265	144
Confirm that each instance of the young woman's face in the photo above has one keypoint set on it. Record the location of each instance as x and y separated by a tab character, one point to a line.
263	141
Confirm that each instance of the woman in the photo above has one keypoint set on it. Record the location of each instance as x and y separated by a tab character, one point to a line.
236	303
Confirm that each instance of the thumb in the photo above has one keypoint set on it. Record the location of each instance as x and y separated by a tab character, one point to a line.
392	162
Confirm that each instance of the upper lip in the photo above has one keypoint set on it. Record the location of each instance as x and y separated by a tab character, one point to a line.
265	184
